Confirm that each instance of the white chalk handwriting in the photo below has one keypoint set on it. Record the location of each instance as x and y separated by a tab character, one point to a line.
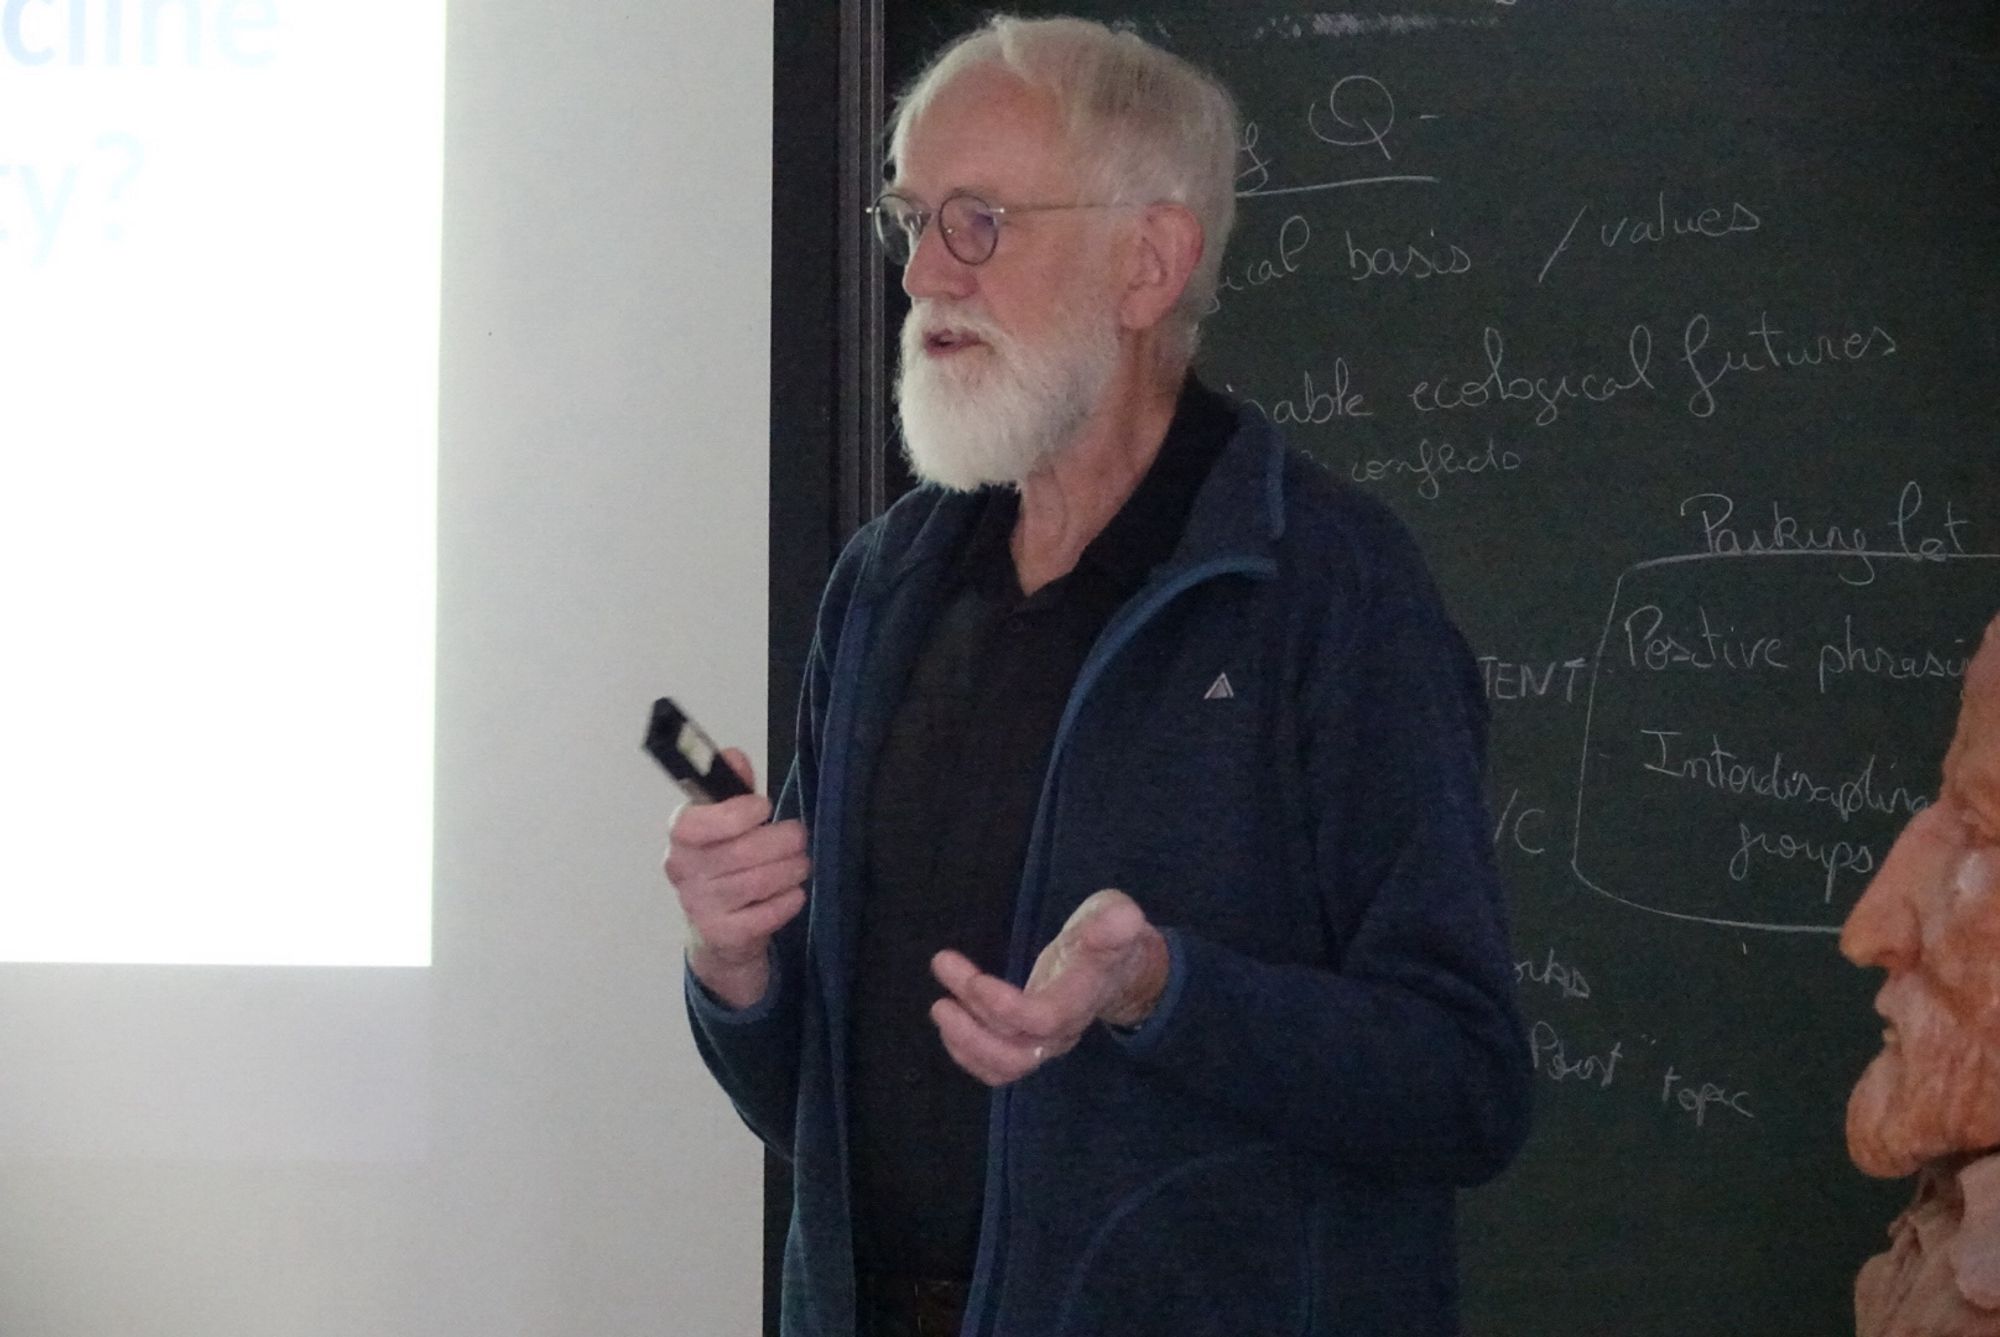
1628	230
1316	405
1834	856
1424	258
1697	1101
1549	392
1721	769
1509	681
1897	664
1650	642
1774	350
1568	981
1430	463
1521	823
1294	237
1552	1060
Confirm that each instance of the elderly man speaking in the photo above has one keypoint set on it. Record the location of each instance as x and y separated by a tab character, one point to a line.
1126	956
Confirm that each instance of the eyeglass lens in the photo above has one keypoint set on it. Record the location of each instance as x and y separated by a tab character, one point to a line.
968	225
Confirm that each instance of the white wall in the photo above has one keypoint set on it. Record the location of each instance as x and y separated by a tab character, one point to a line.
603	491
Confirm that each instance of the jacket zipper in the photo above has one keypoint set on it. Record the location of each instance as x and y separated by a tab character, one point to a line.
985	1278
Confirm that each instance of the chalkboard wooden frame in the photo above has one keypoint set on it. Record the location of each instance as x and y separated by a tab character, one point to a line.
828	395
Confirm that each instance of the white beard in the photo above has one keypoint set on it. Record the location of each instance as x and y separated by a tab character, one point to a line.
995	416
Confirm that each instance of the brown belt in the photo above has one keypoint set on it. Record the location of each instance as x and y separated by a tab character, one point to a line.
893	1306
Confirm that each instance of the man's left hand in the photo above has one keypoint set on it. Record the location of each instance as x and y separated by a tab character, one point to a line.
1108	964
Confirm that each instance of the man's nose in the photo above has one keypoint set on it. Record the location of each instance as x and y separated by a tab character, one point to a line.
933	271
1882	928
1885	928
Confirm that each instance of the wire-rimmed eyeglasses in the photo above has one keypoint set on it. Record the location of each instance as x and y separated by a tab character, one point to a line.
967	224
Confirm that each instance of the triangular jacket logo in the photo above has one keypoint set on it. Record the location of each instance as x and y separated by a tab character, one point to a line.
1219	690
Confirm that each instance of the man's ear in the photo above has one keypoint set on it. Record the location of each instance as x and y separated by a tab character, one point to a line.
1163	257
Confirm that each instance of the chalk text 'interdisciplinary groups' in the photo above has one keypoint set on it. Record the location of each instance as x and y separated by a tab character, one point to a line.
1721	769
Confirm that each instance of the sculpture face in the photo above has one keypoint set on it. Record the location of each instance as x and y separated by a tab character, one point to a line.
1931	918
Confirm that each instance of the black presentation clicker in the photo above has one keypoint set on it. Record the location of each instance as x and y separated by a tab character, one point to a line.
696	764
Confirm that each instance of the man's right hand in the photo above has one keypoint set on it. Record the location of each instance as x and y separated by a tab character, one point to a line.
739	881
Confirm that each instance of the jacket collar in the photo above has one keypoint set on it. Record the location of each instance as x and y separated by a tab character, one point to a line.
1240	510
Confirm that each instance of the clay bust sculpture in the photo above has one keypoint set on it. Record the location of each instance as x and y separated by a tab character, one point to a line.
1930	1102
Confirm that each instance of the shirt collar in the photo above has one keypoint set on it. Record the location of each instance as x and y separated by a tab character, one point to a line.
1148	527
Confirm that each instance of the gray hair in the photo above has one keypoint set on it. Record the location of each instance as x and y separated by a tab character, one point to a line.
1145	125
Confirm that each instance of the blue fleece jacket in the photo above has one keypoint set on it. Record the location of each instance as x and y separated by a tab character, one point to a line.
1278	1148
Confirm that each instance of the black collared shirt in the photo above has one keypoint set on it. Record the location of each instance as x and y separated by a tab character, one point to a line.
949	818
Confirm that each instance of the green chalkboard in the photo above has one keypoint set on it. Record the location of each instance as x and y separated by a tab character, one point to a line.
1670	329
